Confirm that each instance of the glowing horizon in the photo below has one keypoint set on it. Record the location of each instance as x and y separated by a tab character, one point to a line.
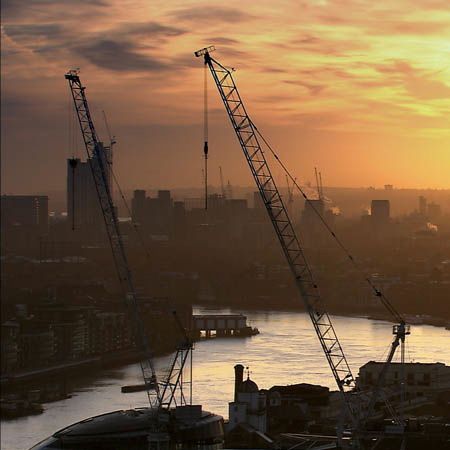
360	90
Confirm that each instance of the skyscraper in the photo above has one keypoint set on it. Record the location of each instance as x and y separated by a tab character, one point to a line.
83	206
422	205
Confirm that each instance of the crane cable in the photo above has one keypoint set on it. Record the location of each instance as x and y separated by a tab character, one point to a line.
205	131
73	162
378	293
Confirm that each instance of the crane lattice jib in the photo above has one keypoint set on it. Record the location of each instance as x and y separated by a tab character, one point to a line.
245	132
99	169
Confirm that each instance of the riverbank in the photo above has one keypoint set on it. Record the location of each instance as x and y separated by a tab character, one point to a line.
286	352
49	384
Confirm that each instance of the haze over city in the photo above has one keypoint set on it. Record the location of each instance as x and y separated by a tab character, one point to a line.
357	88
156	293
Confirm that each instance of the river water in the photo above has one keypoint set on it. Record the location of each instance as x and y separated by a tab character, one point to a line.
286	352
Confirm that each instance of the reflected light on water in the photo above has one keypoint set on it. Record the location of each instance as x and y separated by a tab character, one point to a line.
286	352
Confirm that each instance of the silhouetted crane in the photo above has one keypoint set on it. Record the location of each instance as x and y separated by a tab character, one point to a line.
247	135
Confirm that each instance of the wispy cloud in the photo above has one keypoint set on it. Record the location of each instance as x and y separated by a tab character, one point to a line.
212	14
119	56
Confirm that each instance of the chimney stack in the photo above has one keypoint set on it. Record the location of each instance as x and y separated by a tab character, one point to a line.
238	378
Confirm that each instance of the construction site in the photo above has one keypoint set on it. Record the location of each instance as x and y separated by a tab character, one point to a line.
388	405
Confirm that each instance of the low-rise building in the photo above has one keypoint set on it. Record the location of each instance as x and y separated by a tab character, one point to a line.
420	379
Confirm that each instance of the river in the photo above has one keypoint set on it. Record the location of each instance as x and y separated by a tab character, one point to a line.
286	352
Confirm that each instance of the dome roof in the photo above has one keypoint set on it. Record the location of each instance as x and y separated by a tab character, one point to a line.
248	387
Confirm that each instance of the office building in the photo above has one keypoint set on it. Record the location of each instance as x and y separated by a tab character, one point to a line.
422	206
380	211
83	206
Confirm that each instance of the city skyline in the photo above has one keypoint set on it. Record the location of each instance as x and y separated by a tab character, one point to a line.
366	101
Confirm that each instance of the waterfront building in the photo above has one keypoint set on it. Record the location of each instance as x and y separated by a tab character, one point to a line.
420	379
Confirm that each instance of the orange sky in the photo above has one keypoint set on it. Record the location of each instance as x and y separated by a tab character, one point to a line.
360	89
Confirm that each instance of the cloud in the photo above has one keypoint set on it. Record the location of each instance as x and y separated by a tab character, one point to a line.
17	9
412	27
119	56
120	47
311	43
212	14
313	89
224	41
417	82
33	31
426	89
146	29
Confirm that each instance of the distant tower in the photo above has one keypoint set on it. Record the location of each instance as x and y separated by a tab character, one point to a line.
380	211
83	207
238	378
138	206
422	206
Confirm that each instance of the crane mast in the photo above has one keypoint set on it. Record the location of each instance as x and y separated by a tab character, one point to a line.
246	133
99	168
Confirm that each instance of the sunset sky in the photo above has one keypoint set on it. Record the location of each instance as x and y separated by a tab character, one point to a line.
358	88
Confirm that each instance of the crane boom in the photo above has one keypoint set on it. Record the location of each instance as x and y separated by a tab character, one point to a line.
99	168
246	134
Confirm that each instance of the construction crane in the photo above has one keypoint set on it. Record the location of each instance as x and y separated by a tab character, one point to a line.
172	392
112	139
161	395
247	135
99	169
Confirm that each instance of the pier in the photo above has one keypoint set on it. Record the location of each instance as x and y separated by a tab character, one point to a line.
221	325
